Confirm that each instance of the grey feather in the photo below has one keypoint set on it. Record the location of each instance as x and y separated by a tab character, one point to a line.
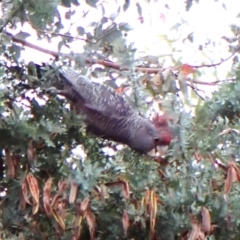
108	115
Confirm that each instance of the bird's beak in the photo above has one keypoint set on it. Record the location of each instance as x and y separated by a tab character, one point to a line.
152	153
157	151
162	150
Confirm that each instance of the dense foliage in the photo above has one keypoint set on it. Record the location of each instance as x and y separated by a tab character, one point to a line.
58	182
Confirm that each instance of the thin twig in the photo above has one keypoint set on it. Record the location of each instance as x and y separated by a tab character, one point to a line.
83	16
196	91
214	64
214	83
63	35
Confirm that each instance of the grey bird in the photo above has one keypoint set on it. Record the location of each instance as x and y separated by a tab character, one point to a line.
109	116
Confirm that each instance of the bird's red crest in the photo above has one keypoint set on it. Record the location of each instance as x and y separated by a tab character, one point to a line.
160	121
161	124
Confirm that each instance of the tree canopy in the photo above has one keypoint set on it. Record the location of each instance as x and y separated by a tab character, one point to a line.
59	182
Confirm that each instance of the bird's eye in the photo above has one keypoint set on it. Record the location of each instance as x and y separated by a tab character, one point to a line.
156	140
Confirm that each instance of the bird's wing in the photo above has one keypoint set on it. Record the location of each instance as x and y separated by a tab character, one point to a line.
97	97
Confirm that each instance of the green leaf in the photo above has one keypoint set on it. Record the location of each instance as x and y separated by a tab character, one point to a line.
15	50
92	3
115	15
22	35
124	27
66	3
175	26
139	9
190	37
80	30
126	5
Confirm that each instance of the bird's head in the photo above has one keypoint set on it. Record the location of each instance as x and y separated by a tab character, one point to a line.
163	133
146	135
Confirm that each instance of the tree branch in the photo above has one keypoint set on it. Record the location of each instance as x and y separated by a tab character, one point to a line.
215	64
30	45
210	83
88	60
117	66
63	35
